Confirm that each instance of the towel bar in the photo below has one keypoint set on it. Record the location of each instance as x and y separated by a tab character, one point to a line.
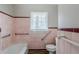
68	40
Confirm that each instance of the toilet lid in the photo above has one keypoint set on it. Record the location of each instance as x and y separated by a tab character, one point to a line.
51	46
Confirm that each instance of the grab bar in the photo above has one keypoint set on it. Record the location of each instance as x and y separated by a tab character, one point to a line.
6	36
21	33
69	41
46	35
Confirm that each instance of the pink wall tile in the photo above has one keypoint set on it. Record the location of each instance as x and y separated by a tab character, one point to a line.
75	38
68	34
6	27
64	46
60	48
11	26
67	46
22	25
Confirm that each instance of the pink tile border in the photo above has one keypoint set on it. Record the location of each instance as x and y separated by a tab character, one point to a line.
76	30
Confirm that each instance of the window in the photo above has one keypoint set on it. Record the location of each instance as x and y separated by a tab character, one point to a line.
39	21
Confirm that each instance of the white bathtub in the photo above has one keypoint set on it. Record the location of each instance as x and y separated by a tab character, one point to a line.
19	48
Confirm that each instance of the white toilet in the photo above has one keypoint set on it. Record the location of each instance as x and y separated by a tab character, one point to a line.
51	48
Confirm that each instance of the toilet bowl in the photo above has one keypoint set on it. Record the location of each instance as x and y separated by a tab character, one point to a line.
51	48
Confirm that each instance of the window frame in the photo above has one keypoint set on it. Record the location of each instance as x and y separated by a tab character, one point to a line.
40	13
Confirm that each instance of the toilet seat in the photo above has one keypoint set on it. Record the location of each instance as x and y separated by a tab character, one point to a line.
51	47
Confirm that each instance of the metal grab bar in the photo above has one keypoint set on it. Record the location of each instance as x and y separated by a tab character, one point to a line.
68	40
7	35
46	35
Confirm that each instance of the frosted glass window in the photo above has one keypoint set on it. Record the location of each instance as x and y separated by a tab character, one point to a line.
39	21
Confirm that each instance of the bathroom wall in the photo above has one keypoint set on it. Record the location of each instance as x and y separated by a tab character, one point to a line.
15	25
7	8
25	10
68	23
34	39
22	25
6	22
